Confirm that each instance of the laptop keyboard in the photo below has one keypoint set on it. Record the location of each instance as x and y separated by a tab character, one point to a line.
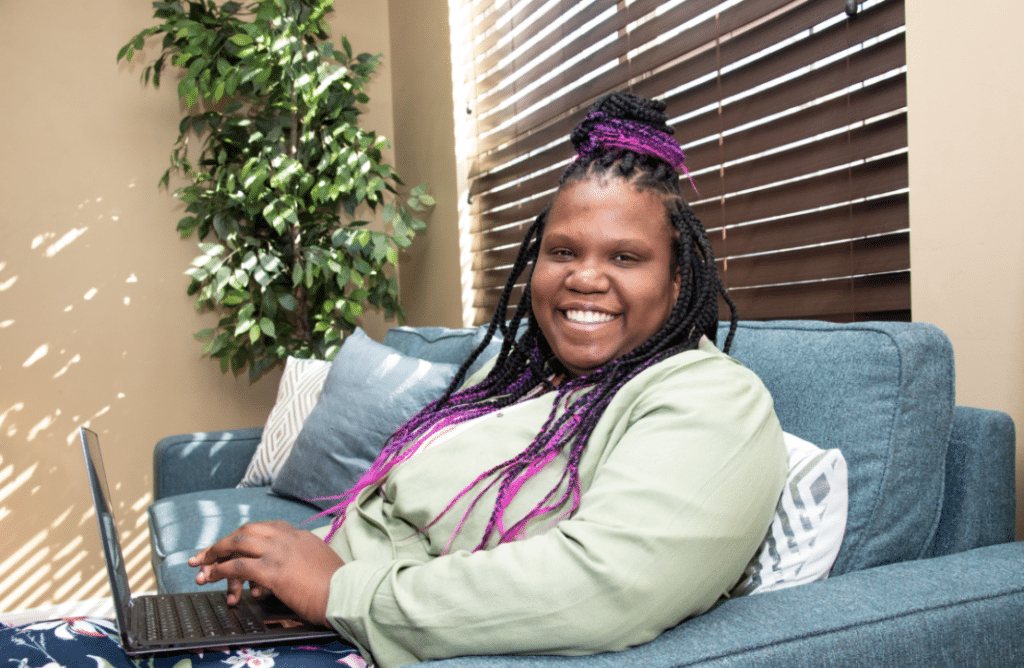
198	615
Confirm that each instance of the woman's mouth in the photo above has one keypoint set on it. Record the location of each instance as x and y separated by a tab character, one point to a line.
587	317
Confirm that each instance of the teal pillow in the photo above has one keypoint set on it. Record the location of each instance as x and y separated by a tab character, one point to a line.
370	391
444	344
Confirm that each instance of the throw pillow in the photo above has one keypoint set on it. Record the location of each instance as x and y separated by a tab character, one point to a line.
296	395
370	391
442	344
809	524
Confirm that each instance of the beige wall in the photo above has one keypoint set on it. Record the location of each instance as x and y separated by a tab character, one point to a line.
95	325
425	153
966	101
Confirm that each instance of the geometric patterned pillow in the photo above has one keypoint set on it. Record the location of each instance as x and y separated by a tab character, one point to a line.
296	396
809	524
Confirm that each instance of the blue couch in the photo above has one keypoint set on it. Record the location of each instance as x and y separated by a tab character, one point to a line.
928	574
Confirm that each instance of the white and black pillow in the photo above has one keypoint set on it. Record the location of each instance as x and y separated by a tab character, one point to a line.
810	521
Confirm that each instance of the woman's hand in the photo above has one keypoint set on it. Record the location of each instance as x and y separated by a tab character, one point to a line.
275	557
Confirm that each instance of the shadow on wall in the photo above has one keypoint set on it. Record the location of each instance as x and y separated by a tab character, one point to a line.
68	338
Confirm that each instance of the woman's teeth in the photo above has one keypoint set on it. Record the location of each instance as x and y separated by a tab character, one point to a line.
588	317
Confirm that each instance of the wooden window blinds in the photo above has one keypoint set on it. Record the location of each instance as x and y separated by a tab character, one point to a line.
792	114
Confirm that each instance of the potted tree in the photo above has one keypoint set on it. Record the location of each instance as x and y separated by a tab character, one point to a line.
276	171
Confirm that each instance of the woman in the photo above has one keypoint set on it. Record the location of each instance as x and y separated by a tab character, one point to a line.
608	475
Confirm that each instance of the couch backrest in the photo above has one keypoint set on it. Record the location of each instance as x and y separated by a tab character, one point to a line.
880	392
883	393
442	344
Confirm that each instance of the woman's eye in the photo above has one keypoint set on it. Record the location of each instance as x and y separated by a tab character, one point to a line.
624	257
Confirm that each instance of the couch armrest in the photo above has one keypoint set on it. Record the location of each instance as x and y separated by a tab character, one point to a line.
964	609
979	502
203	460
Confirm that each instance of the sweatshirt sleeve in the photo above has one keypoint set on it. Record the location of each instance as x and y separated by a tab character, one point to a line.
677	507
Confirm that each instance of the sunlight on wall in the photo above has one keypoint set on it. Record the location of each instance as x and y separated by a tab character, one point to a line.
49	540
61	243
40	353
35	574
461	43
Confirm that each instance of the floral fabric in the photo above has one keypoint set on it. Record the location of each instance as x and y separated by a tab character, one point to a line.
92	642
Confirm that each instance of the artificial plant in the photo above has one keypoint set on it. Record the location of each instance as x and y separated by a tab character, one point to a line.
276	168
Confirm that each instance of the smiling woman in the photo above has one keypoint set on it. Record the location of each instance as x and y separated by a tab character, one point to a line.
605	280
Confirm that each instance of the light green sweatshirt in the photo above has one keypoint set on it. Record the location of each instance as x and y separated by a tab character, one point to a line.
679	481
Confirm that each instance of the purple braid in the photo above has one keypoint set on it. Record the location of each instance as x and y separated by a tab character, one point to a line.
607	132
433	418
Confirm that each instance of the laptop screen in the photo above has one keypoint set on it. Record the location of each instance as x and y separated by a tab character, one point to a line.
108	527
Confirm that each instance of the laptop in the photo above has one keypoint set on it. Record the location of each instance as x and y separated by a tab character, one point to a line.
195	620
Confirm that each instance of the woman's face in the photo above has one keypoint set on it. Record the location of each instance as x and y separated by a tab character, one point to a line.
603	283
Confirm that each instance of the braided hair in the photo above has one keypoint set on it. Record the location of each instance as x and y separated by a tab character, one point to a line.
623	136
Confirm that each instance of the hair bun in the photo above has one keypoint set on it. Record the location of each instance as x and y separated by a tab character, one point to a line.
623	106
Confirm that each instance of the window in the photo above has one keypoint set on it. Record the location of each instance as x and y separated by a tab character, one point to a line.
792	115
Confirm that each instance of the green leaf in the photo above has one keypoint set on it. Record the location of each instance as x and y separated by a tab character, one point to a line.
261	276
241	39
380	247
341	278
197	66
204	334
361	266
267	327
288	302
280	214
269	304
270	262
389	213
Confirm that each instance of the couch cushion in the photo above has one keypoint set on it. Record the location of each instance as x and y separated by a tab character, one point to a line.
189	522
371	390
883	394
904	615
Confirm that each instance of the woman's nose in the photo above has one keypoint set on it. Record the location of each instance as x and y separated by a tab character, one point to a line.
586	279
